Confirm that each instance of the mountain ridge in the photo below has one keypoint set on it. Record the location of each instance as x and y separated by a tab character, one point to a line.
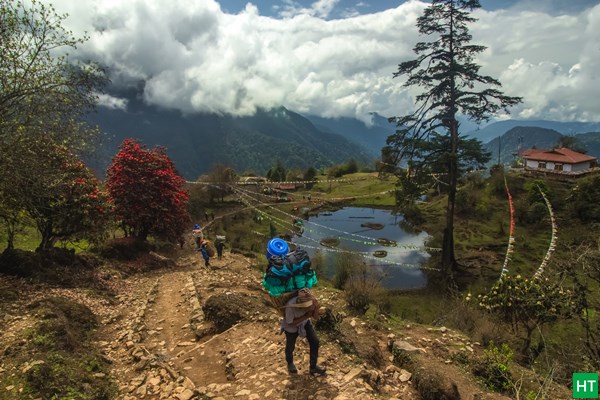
196	143
252	144
504	149
495	129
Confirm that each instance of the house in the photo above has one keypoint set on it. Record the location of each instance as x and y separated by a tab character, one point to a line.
284	186
562	161
252	180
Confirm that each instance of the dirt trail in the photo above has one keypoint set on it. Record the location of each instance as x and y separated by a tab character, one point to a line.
245	361
160	345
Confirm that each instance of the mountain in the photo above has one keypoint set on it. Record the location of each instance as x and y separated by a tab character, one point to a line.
371	136
591	142
196	143
496	129
506	147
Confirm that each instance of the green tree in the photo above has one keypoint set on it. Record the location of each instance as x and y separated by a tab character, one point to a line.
43	94
430	162
583	267
219	181
41	87
66	203
584	199
309	175
527	305
147	193
277	172
570	142
452	85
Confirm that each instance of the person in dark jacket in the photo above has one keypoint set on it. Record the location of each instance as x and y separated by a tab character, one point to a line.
220	245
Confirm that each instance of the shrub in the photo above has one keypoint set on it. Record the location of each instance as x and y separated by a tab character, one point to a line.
344	266
527	304
536	213
494	367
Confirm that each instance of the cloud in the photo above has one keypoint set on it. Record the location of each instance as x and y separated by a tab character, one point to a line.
320	8
112	102
194	57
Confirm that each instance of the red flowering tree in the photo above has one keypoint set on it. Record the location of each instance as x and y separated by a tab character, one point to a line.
147	193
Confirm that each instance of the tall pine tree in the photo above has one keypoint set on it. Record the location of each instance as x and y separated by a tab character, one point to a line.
452	86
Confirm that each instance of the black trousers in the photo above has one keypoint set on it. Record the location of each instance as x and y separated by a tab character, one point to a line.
313	342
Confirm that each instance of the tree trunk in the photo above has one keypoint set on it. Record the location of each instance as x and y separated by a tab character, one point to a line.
47	237
10	233
448	257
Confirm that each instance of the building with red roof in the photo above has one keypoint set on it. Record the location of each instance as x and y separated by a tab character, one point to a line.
560	161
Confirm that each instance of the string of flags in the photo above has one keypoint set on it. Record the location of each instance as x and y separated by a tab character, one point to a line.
277	183
366	255
511	232
317	198
553	238
352	237
511	238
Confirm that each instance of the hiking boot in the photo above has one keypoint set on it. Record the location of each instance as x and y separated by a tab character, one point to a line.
292	368
317	369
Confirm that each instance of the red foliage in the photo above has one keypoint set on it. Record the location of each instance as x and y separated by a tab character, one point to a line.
146	192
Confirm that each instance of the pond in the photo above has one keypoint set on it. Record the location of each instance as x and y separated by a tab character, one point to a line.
375	234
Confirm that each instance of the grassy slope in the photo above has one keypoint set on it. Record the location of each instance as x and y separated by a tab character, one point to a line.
481	240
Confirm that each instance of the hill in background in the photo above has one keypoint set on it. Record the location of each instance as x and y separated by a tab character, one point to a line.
505	148
371	136
196	143
497	129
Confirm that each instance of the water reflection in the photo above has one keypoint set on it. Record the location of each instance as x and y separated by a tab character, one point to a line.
401	264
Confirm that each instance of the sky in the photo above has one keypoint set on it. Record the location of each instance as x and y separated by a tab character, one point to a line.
332	58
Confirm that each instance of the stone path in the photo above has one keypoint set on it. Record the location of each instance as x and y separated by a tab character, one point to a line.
157	353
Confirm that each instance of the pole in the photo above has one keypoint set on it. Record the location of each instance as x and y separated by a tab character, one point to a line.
499	143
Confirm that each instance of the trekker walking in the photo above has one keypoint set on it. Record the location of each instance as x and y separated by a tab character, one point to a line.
220	245
203	250
197	235
200	243
298	312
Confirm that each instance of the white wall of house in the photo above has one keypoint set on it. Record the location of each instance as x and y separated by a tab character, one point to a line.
581	166
531	164
534	164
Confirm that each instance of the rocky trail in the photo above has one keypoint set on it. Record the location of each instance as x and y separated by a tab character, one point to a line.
186	331
163	347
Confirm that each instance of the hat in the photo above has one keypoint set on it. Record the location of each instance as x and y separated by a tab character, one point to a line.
196	227
304	298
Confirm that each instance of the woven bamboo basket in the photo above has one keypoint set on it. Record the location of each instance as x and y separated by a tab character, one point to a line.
278	302
210	248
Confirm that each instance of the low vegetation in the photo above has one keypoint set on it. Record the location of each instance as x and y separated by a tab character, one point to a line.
60	360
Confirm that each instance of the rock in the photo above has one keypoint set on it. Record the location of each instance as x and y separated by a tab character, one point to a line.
352	374
405	346
404	376
186	394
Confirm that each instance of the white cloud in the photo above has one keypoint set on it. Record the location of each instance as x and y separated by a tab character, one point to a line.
320	8
195	57
108	101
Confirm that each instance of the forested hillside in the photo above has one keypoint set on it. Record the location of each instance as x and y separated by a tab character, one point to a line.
196	143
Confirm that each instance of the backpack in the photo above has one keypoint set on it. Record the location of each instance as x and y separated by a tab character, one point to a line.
289	273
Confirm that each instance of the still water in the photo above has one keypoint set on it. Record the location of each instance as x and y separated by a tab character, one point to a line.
400	267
